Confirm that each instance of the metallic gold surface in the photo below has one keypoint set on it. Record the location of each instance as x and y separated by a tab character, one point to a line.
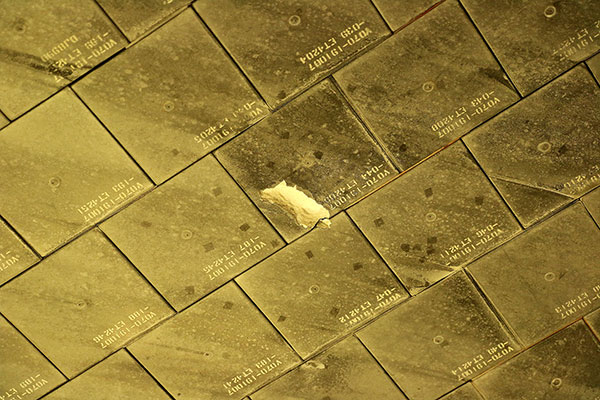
465	392
400	13
15	256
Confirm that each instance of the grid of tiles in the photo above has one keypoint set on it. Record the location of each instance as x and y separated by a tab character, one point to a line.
454	146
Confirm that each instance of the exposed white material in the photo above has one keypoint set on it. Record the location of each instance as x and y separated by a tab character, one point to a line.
304	209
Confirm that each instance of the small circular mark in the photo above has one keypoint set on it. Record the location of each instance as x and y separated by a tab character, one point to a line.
313	289
294	20
544	147
556	383
550	11
549	276
81	304
186	234
430	217
428	86
438	339
168	106
54	182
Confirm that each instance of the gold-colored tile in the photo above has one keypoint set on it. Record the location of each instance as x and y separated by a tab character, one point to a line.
314	143
82	303
465	392
172	98
593	320
24	372
537	40
324	285
564	366
117	377
15	256
46	45
400	13
220	348
435	218
546	278
427	85
592	203
192	234
285	46
437	340
594	64
545	151
345	371
61	172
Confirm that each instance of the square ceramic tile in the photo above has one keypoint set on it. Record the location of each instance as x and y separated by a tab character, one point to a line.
61	172
537	40
24	372
564	366
135	18
400	13
172	97
225	346
15	256
322	286
345	371
592	203
545	151
427	85
435	218
192	234
317	146
82	303
437	340
465	392
117	377
546	278
48	44
285	46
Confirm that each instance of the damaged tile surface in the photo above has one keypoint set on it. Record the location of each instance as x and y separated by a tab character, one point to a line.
345	371
435	218
46	45
82	303
314	144
536	40
538	286
564	366
206	341
447	332
323	286
193	233
285	46
427	85
172	98
59	176
541	161
15	256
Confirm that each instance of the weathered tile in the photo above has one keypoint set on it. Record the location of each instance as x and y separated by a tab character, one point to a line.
24	372
200	225
435	218
400	13
593	320
48	44
546	278
345	371
172	98
564	366
592	203
544	151
285	46
117	377
427	85
465	392
594	64
225	346
537	40
435	341
322	286
15	256
314	143
82	303
135	18
61	172
3	121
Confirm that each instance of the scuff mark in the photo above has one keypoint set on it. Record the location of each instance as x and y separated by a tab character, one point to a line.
295	202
